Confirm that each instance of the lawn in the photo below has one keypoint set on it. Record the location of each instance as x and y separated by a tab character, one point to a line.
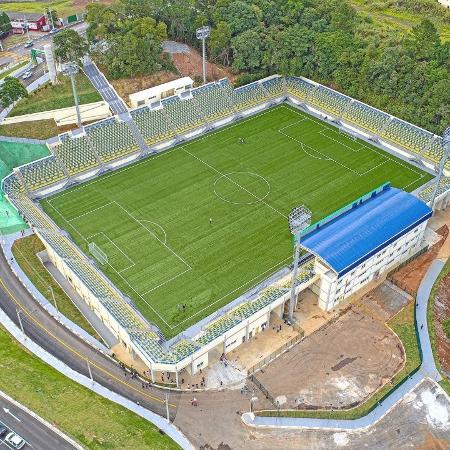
91	420
24	251
57	96
37	129
445	382
204	222
401	18
403	325
13	69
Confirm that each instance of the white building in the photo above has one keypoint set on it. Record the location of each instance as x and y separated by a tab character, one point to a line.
363	240
160	92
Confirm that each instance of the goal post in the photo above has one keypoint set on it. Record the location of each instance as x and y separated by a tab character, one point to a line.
98	253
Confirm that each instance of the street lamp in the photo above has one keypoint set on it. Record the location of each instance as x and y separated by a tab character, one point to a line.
70	70
299	218
202	34
446	146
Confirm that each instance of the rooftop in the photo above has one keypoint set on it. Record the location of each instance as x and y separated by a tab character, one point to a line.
356	232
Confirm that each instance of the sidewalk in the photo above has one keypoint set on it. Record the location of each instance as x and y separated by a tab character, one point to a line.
427	369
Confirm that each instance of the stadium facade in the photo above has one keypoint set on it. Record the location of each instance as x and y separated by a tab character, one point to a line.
110	144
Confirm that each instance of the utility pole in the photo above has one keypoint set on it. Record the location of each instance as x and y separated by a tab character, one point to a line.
202	34
446	146
70	70
299	219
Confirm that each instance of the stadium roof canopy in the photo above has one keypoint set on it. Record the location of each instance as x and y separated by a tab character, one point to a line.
361	229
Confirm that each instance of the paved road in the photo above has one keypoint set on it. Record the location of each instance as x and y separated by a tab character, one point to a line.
99	81
35	433
44	39
67	347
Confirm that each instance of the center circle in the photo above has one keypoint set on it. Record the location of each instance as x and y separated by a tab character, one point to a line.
241	188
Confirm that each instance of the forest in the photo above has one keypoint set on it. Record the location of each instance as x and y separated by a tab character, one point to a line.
405	73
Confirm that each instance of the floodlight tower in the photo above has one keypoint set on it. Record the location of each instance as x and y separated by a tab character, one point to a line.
299	218
446	145
70	70
202	35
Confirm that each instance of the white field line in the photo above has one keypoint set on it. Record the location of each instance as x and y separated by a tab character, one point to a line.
87	212
132	263
120	275
382	153
235	183
165	152
270	269
304	116
154	235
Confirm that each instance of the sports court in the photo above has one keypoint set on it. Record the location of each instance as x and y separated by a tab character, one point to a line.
185	232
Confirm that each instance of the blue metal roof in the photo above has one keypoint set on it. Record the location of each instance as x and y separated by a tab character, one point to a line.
363	228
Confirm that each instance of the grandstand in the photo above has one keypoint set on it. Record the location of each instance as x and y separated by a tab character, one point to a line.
283	134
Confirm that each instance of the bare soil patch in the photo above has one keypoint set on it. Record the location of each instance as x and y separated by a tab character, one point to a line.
127	86
409	276
191	65
319	374
441	313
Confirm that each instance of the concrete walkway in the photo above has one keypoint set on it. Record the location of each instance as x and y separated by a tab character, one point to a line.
427	369
168	428
107	92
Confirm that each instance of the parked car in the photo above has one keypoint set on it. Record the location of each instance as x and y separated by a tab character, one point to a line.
54	30
3	430
27	75
28	44
15	440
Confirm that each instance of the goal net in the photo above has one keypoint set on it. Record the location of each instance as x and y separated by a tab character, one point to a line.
98	253
349	134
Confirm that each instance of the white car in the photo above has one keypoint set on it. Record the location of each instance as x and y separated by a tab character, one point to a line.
27	75
14	440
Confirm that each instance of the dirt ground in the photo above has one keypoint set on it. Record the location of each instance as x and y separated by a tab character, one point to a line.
190	65
409	277
420	421
127	86
441	313
319	374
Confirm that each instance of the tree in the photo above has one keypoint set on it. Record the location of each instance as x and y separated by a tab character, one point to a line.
69	46
220	43
11	90
5	24
135	48
248	51
52	17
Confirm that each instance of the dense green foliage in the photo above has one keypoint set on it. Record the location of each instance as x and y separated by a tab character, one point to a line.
5	24
446	326
126	46
406	74
70	46
165	251
11	90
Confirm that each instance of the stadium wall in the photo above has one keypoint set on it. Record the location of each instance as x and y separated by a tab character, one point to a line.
231	337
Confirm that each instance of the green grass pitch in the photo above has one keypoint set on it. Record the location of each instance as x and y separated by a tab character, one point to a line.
205	221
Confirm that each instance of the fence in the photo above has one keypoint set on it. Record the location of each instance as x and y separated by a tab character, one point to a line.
279	351
261	387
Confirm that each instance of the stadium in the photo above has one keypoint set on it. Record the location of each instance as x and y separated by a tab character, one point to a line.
173	227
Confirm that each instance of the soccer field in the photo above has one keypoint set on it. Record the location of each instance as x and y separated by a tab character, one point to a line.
205	221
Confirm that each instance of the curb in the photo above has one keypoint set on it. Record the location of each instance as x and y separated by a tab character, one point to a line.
42	421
